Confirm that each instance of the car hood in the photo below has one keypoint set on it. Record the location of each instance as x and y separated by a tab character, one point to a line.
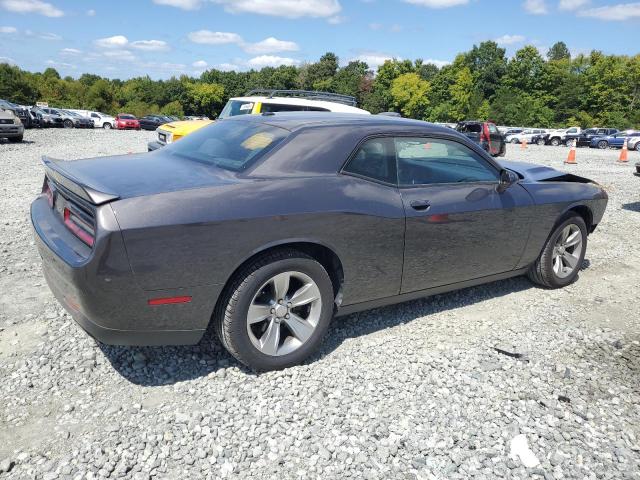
541	173
126	176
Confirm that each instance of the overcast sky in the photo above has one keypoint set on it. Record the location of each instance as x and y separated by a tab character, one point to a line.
125	38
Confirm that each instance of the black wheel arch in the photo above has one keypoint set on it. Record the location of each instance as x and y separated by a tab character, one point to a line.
323	254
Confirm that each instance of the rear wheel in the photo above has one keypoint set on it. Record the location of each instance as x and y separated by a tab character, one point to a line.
569	143
68	124
540	141
603	144
106	126
637	147
560	260
514	140
276	310
555	142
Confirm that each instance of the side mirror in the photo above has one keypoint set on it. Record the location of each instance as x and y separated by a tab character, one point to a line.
507	178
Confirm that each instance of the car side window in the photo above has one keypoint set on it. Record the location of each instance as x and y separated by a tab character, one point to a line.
493	128
94	115
376	160
274	107
424	161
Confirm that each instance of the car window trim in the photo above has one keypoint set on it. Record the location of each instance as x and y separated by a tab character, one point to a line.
436	135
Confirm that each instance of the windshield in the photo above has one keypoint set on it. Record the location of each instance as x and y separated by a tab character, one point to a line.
127	117
236	107
230	145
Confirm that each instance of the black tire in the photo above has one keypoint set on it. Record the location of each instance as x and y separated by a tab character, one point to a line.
541	272
603	145
555	142
569	143
229	319
637	147
540	141
515	141
68	124
107	126
16	139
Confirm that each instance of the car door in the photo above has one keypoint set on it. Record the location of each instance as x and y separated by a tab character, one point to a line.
496	139
458	226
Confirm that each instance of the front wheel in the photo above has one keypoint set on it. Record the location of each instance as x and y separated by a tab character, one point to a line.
514	140
555	142
106	126
569	143
637	147
276	310
602	145
560	260
68	124
540	141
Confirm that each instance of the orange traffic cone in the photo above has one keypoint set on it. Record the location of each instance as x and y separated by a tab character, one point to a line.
523	144
625	149
571	158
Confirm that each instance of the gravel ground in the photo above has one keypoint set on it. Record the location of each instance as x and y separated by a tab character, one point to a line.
500	381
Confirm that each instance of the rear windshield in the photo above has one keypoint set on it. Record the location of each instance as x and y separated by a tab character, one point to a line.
229	144
236	107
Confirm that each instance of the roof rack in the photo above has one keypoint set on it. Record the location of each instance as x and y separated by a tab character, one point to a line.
309	94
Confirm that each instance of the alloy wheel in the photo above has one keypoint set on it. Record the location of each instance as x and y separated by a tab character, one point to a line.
602	145
284	313
567	251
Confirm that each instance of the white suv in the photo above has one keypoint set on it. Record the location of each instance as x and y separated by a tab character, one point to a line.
100	120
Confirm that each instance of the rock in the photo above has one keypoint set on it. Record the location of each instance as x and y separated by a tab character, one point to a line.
519	450
6	465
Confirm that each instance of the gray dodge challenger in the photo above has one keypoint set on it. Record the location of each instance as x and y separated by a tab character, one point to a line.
268	226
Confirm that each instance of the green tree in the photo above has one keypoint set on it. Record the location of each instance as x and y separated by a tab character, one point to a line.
410	95
559	51
173	108
204	97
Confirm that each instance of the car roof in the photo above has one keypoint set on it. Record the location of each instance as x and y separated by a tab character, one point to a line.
332	106
293	121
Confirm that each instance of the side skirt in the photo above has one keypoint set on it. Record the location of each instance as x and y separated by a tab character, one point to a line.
406	297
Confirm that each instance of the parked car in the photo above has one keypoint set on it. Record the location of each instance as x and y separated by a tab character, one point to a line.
100	120
151	122
512	131
263	101
486	134
613	141
527	135
583	139
48	120
634	144
257	223
11	126
555	137
79	121
18	111
126	121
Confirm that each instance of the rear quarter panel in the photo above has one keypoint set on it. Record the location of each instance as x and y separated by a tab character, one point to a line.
200	236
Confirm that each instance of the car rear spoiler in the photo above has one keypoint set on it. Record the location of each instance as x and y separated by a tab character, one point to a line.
55	171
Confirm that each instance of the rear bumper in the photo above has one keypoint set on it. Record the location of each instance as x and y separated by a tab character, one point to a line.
97	288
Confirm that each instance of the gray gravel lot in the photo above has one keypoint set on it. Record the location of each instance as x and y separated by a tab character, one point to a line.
417	390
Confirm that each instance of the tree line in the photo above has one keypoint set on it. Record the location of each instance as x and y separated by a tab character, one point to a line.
527	89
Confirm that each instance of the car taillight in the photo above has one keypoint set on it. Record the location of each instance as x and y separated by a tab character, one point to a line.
80	228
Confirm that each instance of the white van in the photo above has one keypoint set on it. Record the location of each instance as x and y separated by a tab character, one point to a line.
100	120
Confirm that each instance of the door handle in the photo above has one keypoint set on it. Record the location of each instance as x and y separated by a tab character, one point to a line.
420	205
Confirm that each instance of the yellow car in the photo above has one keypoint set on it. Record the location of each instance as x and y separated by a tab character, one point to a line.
262	101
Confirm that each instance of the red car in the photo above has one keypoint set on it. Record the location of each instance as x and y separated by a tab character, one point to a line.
126	121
